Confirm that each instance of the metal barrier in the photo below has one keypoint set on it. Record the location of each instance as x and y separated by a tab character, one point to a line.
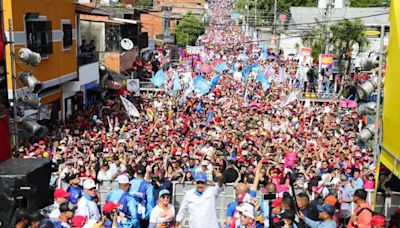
384	205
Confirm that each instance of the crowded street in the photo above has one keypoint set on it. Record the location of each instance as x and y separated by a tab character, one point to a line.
232	133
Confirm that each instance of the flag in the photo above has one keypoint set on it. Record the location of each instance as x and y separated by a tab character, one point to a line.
201	85
129	107
159	78
246	94
247	70
177	83
289	98
264	51
214	81
264	82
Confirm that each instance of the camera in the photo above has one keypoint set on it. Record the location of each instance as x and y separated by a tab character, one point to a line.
269	196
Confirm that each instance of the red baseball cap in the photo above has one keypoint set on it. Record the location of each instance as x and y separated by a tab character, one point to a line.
110	206
79	221
378	220
61	193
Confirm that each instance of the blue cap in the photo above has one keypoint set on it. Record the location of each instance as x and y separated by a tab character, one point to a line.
164	192
329	209
201	177
231	159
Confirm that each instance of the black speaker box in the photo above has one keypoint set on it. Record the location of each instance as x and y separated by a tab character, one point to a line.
23	183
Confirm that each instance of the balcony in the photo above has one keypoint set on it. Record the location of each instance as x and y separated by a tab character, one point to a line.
85	58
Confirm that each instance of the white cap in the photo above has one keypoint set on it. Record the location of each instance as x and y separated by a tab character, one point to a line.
204	162
89	184
246	209
122	179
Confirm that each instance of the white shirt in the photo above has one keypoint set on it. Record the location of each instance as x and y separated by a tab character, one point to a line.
88	208
55	213
202	213
104	175
237	76
159	216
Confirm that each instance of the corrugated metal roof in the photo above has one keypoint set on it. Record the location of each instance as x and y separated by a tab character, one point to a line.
304	17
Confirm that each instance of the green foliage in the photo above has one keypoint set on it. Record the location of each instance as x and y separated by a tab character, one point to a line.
369	3
314	39
347	33
143	3
268	5
188	30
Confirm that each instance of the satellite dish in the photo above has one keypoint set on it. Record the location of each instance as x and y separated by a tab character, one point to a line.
126	44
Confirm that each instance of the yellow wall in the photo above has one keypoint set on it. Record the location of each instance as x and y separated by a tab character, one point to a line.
58	63
391	106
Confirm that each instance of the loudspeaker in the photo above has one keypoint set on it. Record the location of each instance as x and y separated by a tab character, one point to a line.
174	54
23	183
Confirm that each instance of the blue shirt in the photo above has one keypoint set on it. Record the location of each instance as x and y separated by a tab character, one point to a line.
149	197
358	183
319	224
75	193
128	203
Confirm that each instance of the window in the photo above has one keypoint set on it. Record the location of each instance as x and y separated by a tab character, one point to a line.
39	37
67	35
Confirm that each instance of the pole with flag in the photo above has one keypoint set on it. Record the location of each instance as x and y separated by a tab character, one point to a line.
129	107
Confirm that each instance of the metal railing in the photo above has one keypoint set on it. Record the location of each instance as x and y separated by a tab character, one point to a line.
384	205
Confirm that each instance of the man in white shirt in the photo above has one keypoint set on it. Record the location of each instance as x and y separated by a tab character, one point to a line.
200	203
53	211
87	205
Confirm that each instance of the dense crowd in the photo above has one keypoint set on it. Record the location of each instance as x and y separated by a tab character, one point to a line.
246	131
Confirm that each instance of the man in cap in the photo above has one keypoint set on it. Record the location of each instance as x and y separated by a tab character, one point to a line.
66	214
200	203
143	192
161	182
326	212
247	214
52	211
87	205
127	202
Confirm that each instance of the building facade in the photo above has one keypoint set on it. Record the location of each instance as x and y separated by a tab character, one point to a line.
47	27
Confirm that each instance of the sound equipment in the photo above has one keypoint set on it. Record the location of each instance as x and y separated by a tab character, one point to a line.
23	183
174	54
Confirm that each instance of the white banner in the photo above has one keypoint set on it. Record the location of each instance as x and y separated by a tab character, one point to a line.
133	86
194	50
129	107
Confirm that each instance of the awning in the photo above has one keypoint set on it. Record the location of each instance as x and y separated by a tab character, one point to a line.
97	18
126	21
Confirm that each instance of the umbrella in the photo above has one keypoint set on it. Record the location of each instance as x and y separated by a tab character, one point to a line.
221	67
205	68
348	104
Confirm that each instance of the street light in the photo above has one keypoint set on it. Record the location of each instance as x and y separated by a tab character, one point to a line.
31	100
366	109
29	57
32	126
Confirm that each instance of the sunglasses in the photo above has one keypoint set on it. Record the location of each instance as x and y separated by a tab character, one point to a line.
200	182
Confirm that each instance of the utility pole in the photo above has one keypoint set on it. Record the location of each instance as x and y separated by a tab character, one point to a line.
255	15
378	99
14	83
326	24
275	7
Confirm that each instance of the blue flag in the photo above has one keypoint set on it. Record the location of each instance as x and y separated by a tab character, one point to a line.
221	67
201	85
264	82
177	84
214	81
159	78
264	52
246	71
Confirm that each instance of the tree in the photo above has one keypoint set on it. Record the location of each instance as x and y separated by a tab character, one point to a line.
369	3
144	3
188	29
346	34
314	39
